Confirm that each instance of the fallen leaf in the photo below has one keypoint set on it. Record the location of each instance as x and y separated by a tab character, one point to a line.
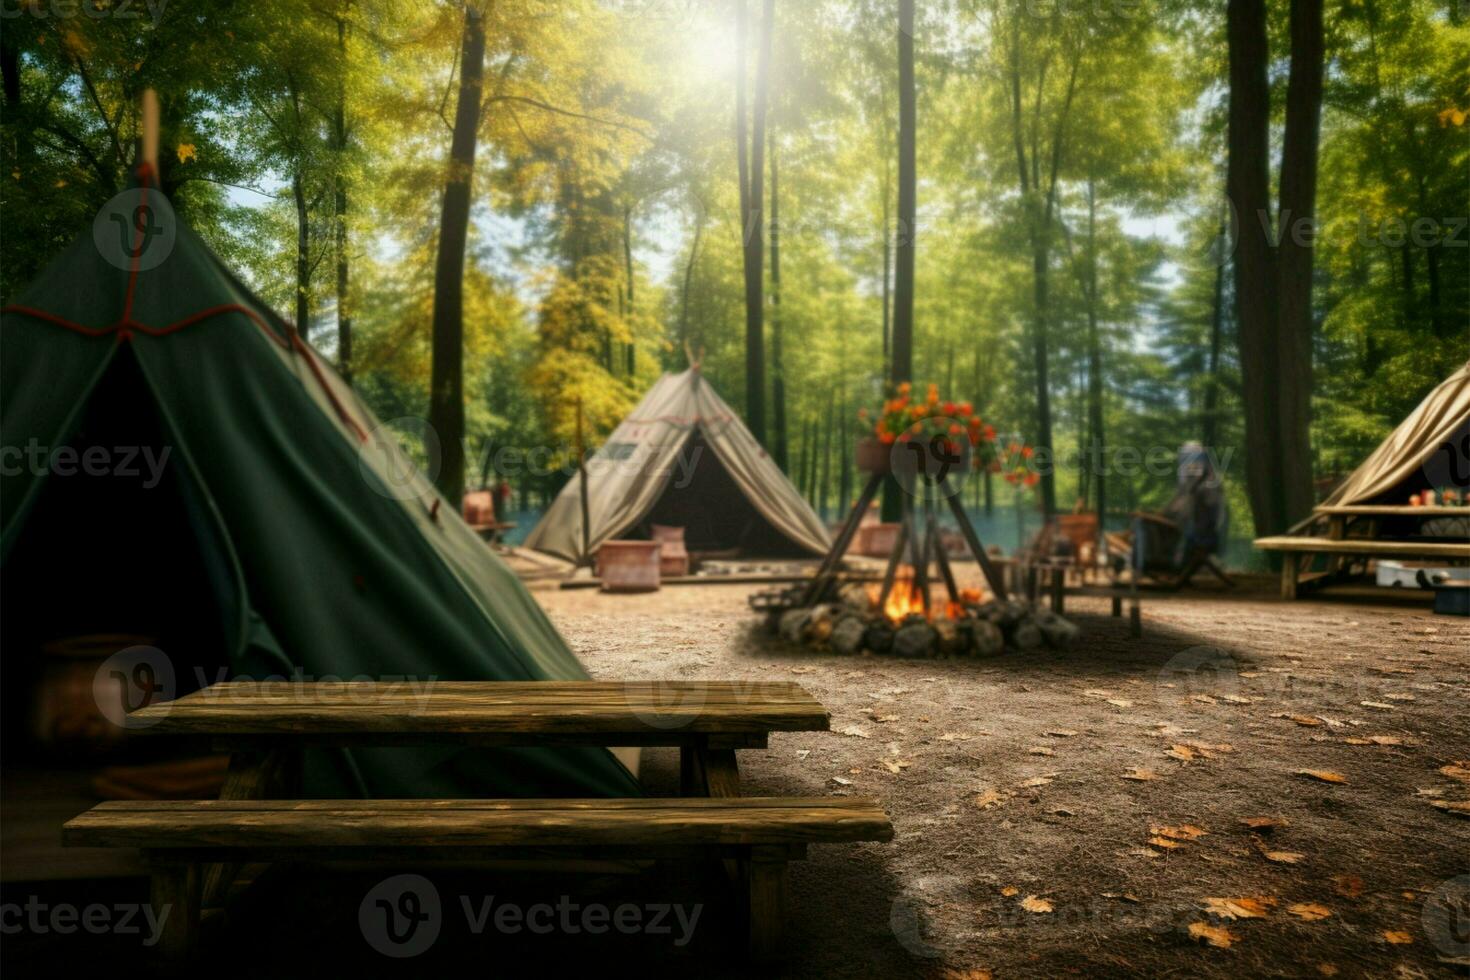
1033	904
1120	702
1164	842
1379	705
1264	824
841	782
896	766
884	719
950	973
1039	750
854	731
1038	781
1185	832
1140	775
1010	890
1400	697
1460	808
1348	886
1238	908
1203	699
1327	969
1060	733
1456	771
1309	911
1235	699
1397	938
1217	936
1325	775
1306	721
1182	752
955	737
989	799
1094	692
1385	740
1282	857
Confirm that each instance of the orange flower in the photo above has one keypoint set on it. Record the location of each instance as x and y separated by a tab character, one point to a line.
989	434
956	430
905	388
1028	452
966	408
949	408
886	438
1010	478
916	428
1032	479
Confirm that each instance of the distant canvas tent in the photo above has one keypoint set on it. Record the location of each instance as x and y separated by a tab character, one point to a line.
683	458
1429	450
286	534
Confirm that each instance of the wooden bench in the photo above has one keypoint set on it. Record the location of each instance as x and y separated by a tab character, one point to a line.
199	847
1298	553
180	839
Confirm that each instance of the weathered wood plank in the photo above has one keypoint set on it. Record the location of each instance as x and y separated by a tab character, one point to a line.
650	710
1373	547
174	895
766	875
165	825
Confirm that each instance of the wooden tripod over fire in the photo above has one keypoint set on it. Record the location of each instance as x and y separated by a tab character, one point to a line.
921	549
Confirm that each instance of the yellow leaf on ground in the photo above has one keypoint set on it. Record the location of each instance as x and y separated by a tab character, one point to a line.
1217	936
1325	775
1038	781
1060	733
951	973
1456	771
1238	908
1460	808
1348	886
1033	904
1040	750
1309	911
989	799
1397	937
1140	775
1009	891
1283	857
1182	752
1385	740
1306	721
1266	824
1120	702
1327	969
1184	832
1164	842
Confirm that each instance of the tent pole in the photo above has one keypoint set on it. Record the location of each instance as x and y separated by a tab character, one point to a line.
582	477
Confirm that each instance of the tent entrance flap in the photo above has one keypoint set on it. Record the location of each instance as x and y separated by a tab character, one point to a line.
704	499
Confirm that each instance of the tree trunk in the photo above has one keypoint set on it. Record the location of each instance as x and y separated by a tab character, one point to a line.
446	386
901	365
688	280
778	367
902	368
1295	252
1096	440
303	257
844	438
1210	424
754	239
631	365
824	485
1248	182
339	133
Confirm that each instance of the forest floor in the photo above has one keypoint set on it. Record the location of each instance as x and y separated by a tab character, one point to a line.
1078	813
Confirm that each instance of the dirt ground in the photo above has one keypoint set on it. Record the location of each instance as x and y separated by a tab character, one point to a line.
1022	847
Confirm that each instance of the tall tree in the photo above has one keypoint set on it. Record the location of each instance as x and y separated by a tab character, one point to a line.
339	201
752	223
1274	331
902	366
446	384
778	371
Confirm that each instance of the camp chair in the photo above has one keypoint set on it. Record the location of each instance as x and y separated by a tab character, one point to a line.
479	514
1169	547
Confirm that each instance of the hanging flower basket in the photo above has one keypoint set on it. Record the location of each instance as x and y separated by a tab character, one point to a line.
872	456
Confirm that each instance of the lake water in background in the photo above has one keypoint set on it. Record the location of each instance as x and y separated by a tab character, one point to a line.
1004	527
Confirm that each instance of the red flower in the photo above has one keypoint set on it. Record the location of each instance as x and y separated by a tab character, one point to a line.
1032	479
1028	452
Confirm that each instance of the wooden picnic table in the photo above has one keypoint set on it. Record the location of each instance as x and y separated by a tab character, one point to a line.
266	723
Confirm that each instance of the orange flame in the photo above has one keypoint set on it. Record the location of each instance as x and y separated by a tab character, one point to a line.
904	600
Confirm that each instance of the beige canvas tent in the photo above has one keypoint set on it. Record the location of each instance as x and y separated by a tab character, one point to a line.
684	459
1429	450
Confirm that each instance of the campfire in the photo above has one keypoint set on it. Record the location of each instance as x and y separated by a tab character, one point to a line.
901	624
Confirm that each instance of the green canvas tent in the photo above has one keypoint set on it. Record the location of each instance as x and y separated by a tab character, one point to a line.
284	534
